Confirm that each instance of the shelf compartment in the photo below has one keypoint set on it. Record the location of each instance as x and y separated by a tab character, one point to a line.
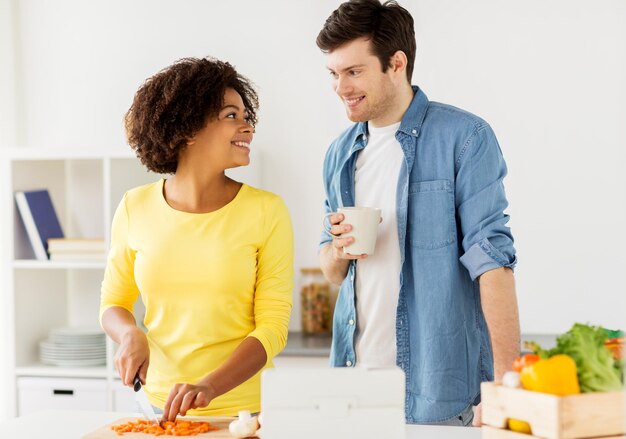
34	264
76	188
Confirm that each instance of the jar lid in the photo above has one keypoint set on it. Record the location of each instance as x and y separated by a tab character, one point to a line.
311	270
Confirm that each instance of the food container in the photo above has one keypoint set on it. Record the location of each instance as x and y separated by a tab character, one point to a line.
585	415
315	301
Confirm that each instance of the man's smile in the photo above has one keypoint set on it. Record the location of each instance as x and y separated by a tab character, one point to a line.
353	102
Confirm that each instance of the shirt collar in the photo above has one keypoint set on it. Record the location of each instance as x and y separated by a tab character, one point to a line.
414	116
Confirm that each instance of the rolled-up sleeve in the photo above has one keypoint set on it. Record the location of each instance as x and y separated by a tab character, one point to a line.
118	286
481	202
274	284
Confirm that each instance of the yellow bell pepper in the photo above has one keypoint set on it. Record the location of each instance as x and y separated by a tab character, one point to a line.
519	426
555	375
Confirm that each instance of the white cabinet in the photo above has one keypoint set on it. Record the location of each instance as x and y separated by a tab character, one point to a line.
37	296
36	394
123	398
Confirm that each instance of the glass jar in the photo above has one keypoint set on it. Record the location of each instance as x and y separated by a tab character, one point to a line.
315	302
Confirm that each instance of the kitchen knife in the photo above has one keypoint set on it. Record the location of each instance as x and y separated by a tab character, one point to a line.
142	400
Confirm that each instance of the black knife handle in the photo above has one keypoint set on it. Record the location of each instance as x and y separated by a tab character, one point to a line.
137	384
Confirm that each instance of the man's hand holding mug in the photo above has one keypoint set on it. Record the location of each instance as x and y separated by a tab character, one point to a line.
354	231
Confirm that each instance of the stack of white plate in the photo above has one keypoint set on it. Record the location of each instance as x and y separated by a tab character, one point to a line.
74	347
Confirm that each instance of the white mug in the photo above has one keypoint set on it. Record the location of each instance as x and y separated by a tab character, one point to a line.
364	222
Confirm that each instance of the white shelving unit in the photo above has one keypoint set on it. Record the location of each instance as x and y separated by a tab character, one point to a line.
37	296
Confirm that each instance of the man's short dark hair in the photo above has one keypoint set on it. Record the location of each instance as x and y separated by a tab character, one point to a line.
388	26
175	104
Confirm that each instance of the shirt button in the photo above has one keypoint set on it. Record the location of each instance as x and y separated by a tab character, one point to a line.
414	131
348	363
351	322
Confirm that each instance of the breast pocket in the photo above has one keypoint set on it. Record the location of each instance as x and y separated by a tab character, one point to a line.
431	214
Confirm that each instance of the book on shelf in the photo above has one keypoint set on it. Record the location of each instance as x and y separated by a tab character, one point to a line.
78	256
39	218
78	245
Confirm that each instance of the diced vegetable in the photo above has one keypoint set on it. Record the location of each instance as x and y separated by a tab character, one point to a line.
178	428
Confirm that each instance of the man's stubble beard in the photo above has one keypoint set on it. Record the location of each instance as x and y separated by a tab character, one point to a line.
377	110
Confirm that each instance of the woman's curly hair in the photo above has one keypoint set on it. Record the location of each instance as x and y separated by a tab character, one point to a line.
176	103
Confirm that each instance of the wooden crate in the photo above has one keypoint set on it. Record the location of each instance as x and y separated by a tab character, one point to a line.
587	415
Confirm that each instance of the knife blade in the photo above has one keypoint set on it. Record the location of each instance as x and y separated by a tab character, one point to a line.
142	400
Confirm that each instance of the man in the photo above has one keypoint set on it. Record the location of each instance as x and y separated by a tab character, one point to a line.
437	298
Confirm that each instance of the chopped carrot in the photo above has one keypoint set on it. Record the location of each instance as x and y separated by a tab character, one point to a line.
177	428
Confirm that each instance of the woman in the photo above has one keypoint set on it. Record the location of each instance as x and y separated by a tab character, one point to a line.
211	257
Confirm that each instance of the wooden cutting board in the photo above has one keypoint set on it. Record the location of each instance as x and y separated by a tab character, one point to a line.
221	422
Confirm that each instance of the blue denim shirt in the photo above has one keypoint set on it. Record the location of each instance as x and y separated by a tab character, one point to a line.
451	228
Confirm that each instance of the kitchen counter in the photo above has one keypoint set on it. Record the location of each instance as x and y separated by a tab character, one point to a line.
73	424
318	345
307	345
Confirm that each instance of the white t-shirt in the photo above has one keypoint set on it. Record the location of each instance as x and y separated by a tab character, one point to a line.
378	277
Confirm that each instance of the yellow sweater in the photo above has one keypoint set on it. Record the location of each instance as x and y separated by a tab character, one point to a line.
208	280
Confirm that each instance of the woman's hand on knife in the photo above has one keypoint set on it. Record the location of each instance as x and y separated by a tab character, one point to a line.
133	356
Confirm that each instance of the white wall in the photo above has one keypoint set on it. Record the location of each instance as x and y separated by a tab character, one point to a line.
548	76
8	135
550	79
8	94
